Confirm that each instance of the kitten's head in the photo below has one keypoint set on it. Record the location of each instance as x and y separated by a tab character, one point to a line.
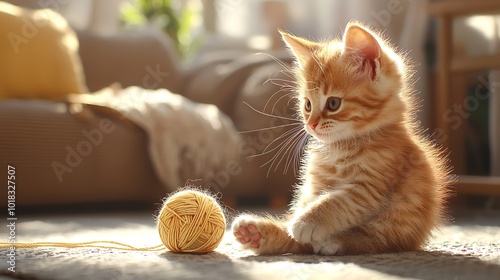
348	88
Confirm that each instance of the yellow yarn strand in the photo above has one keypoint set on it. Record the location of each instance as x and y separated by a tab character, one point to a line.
90	244
189	222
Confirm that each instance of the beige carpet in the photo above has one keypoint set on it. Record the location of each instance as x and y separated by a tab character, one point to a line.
467	249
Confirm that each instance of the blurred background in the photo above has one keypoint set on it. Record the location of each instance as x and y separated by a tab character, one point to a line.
208	48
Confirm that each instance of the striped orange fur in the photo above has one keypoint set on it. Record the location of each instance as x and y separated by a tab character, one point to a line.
370	182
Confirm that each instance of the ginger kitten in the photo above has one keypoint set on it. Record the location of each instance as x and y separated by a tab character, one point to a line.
370	182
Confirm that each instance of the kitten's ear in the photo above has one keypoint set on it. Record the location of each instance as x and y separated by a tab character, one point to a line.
302	49
362	43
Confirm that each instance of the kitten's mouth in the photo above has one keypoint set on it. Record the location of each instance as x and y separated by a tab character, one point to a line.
323	137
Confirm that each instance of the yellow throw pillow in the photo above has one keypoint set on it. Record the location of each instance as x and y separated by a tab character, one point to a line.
38	54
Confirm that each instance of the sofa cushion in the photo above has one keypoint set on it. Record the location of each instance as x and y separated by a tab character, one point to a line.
74	155
39	54
144	58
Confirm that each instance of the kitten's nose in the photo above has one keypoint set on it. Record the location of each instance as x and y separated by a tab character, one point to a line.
314	125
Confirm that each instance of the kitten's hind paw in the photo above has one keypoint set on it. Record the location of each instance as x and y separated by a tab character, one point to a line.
246	231
248	235
265	236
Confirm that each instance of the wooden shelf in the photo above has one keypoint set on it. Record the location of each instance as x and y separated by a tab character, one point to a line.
478	185
450	70
463	7
476	63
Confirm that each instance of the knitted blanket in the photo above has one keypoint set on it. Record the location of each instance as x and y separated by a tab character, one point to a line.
187	140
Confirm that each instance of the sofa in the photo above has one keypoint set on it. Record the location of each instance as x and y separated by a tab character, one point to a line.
41	137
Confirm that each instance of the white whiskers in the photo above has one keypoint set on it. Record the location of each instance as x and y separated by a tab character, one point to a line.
286	148
282	149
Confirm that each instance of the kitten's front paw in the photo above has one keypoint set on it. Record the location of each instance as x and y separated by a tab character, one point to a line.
247	233
326	249
307	232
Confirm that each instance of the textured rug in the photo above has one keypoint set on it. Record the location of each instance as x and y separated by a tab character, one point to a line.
467	249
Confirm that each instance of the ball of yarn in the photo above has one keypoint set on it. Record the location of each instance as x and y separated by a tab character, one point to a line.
191	222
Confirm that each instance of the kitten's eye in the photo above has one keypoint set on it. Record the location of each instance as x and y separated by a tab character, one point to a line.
308	105
333	103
